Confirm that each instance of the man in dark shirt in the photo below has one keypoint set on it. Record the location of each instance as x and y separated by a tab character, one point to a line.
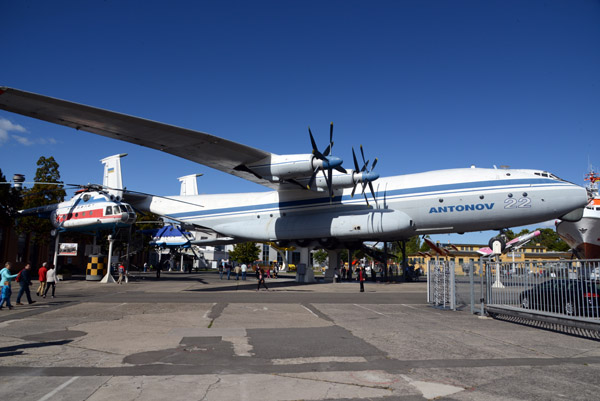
24	279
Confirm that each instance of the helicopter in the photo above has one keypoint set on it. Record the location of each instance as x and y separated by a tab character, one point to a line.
90	209
93	207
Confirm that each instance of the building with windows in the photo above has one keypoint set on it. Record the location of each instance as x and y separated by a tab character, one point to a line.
465	255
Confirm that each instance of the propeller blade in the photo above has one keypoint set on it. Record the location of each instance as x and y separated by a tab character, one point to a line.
341	169
329	182
364	167
362	152
373	193
374	164
355	161
312	178
331	132
312	140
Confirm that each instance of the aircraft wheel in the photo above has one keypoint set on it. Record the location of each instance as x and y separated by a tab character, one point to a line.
497	239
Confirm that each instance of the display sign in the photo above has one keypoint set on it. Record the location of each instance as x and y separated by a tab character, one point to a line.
67	249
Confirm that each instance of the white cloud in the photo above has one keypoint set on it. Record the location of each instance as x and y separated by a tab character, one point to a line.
6	127
7	130
23	140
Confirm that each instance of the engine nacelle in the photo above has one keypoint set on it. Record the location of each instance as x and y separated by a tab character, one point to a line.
354	225
282	167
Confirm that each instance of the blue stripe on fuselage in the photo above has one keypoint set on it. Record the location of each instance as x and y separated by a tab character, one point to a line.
404	192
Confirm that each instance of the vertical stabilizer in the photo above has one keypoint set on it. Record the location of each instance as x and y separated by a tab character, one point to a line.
112	174
189	185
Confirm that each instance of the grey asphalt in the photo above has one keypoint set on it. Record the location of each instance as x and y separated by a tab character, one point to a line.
196	337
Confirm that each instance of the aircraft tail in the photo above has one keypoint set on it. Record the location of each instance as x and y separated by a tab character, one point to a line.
189	185
112	174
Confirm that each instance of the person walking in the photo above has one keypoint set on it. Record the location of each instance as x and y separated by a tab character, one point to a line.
42	278
51	280
261	279
361	278
221	268
244	269
6	293
5	279
122	274
238	270
24	279
228	268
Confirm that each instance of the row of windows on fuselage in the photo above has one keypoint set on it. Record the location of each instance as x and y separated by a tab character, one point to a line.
109	211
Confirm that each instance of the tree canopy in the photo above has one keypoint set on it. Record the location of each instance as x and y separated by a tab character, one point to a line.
40	195
246	252
320	256
10	201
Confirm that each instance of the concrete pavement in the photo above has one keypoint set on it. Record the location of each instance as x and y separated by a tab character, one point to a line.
195	337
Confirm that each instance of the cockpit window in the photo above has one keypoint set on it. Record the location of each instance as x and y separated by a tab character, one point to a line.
108	210
546	174
123	208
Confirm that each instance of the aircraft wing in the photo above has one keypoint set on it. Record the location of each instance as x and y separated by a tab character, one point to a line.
212	151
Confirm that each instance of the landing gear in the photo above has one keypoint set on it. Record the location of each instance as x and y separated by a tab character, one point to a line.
499	242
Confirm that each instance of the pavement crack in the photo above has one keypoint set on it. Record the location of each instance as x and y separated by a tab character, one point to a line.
313	379
210	388
102	385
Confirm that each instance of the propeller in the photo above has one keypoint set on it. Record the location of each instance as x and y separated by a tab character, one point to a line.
326	162
365	175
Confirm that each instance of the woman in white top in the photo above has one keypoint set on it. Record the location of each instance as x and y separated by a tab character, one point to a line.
51	280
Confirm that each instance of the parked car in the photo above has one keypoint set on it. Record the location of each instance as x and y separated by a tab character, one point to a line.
571	297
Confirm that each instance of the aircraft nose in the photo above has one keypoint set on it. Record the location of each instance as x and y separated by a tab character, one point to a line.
575	200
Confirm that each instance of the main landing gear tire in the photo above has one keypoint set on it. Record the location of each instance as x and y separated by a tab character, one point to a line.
499	240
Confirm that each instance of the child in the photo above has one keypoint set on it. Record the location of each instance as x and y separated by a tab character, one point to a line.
6	293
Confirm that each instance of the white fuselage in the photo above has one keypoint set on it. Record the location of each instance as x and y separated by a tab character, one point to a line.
444	201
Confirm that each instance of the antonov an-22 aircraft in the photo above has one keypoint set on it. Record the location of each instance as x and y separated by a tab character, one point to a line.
310	205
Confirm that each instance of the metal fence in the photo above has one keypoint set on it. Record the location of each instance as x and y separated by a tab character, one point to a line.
565	289
558	292
441	285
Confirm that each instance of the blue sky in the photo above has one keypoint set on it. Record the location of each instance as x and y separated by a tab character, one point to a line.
422	85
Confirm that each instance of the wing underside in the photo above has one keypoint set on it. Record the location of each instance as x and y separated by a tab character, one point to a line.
202	148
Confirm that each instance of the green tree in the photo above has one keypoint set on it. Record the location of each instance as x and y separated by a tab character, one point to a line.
246	252
550	239
40	195
320	256
413	245
10	202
